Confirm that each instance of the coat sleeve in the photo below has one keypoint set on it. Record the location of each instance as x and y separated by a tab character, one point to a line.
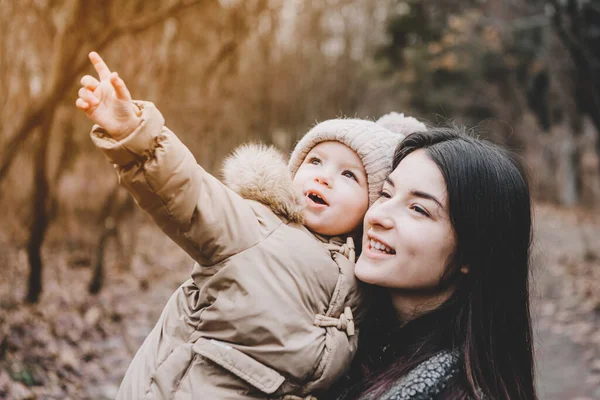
207	219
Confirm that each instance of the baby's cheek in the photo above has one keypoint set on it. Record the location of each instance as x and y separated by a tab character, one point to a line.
354	215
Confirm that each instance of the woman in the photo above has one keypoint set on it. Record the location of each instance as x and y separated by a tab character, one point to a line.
447	245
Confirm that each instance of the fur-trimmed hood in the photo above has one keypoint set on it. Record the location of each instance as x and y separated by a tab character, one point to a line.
259	172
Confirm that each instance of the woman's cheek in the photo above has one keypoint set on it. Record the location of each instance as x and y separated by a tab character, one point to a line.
365	271
359	271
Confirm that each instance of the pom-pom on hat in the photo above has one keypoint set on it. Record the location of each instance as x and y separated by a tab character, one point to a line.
398	123
374	142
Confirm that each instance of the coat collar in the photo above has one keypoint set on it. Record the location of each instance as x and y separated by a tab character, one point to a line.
259	172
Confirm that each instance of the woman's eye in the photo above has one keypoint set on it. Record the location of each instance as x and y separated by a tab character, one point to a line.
350	175
420	210
385	194
314	161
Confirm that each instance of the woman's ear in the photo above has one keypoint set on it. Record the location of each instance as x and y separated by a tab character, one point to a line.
464	269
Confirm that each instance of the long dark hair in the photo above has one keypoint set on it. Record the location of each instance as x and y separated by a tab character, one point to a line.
487	318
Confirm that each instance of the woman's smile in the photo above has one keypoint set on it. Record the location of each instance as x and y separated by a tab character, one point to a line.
376	248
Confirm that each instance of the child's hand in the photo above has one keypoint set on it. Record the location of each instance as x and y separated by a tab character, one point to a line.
107	102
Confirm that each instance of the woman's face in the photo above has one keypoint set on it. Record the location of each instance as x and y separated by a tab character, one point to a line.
408	237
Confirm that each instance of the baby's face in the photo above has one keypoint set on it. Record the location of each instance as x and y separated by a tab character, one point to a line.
333	181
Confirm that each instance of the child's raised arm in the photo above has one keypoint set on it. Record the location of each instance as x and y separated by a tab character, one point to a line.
107	101
208	220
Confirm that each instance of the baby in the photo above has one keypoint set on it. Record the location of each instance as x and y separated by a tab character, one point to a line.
272	309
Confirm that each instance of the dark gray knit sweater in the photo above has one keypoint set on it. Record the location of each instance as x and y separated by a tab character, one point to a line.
425	382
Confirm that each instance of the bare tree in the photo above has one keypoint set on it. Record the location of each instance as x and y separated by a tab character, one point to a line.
113	214
69	60
573	22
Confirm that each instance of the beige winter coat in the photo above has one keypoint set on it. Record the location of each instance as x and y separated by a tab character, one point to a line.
252	321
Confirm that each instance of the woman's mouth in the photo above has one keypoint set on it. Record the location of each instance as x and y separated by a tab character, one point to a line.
378	247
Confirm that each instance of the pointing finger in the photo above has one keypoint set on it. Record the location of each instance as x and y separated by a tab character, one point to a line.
99	65
89	82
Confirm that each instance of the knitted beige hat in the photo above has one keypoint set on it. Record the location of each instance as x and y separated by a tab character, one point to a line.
374	142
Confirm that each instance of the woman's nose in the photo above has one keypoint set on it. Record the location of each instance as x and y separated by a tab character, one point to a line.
379	216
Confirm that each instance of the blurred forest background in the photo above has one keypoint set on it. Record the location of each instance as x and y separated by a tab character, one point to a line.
85	274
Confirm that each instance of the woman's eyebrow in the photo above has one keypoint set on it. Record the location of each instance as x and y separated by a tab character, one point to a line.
418	193
423	195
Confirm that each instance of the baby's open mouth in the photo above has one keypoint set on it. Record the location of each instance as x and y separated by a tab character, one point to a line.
317	199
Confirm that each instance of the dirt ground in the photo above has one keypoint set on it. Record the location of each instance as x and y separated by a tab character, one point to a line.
78	346
566	303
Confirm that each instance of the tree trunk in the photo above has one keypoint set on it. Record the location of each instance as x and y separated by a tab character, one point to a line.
40	210
112	217
68	62
125	249
568	192
108	230
550	187
583	59
98	277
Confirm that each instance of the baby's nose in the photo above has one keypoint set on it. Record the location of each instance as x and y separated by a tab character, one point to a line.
323	180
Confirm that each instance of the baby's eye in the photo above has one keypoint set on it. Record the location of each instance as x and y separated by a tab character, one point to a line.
314	161
350	174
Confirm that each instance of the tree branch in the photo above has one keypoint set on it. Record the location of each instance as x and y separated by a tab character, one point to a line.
33	117
61	77
135	26
583	61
